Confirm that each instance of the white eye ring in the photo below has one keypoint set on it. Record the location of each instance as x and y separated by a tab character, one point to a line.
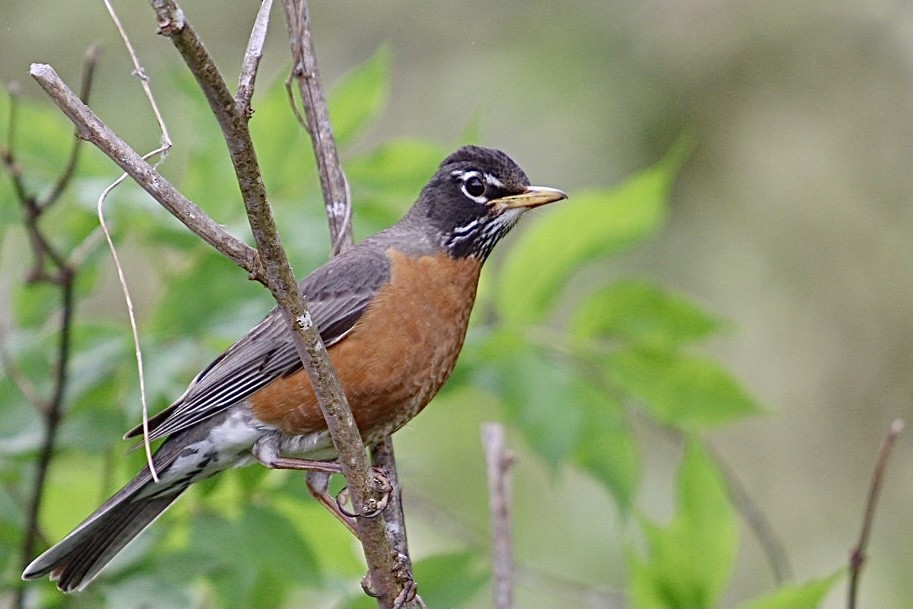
473	186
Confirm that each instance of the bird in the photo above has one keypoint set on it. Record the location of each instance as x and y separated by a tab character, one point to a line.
392	310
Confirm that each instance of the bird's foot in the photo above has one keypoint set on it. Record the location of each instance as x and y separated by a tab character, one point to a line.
380	489
402	571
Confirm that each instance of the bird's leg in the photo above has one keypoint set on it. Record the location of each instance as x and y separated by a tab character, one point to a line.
266	452
379	485
317	483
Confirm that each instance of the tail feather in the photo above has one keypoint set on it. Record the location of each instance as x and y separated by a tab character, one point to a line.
79	557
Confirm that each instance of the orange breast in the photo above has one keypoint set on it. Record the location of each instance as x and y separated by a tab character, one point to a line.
396	358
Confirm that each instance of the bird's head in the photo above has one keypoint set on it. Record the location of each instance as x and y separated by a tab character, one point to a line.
475	197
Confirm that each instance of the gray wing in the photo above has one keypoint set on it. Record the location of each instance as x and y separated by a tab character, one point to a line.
337	293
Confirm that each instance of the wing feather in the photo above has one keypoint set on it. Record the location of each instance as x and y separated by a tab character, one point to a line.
338	293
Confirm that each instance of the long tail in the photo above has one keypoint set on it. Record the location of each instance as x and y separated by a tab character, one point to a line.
76	560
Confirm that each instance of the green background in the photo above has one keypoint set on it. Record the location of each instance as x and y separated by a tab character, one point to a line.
790	220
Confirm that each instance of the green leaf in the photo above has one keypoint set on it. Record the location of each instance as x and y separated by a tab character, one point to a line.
450	580
283	147
679	389
205	292
387	181
273	553
688	562
639	312
540	395
357	99
586	226
806	595
606	448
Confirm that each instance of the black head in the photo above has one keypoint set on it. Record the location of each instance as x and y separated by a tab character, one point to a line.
475	198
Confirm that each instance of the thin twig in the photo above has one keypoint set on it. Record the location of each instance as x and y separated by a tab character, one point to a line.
857	554
317	120
392	580
52	420
88	72
92	129
499	462
770	542
6	152
17	376
251	62
382	455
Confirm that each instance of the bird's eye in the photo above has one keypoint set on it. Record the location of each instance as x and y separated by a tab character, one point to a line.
474	187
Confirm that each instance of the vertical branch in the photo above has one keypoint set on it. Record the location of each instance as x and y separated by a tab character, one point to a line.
857	554
337	200
382	456
317	119
499	462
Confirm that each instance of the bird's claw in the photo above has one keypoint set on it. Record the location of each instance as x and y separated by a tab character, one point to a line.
408	593
379	486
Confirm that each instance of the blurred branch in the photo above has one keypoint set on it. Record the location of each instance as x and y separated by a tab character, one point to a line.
754	517
62	275
571	592
499	462
857	554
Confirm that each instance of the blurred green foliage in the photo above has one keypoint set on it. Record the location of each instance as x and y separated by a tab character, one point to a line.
571	378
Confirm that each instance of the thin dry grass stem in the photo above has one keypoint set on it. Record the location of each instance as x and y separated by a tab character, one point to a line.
159	152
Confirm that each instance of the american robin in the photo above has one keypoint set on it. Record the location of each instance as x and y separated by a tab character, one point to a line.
392	311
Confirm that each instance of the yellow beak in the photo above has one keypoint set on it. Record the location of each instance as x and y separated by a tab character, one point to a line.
533	196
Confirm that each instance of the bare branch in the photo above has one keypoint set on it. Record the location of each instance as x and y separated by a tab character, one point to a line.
499	462
857	554
17	376
382	455
92	129
252	59
333	182
7	153
390	574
